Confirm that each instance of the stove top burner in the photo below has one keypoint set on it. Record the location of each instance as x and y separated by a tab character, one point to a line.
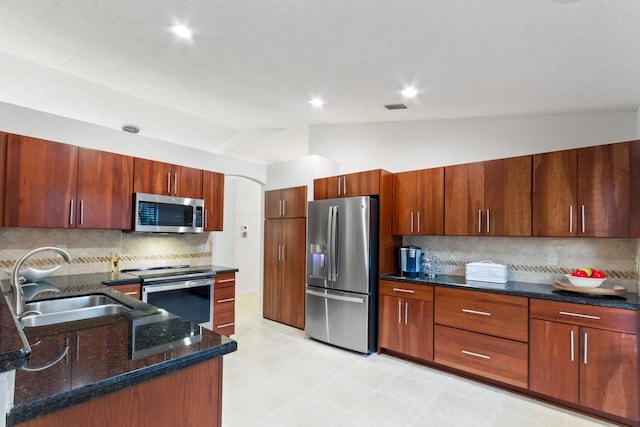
172	272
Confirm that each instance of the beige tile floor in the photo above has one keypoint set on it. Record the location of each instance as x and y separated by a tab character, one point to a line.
279	377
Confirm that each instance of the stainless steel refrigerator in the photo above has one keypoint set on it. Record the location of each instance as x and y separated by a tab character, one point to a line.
342	272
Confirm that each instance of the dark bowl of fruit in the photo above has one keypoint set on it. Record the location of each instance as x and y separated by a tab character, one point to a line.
586	277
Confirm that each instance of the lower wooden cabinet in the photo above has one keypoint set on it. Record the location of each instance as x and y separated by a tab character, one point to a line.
224	305
585	355
406	319
131	289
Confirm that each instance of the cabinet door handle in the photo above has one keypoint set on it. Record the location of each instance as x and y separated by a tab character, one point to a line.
225	280
226	325
412	222
479	220
482	313
225	300
279	207
585	316
488	222
339	186
284	254
571	219
78	347
168	182
71	213
408	291
586	343
344	185
131	293
175	183
471	353
418	222
573	354
284	207
81	212
582	219
406	312
399	311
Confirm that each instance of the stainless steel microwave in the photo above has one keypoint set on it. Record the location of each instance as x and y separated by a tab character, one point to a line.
166	214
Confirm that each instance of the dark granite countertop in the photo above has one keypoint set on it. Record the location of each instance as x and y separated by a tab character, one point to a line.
630	301
104	354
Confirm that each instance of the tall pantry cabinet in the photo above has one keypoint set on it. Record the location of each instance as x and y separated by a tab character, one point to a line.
284	255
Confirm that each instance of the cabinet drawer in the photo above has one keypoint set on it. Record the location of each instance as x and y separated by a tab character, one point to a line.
225	279
613	319
491	357
132	289
224	299
406	290
493	314
224	323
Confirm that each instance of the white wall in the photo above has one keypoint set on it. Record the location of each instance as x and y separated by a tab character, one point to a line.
403	146
24	121
243	207
299	172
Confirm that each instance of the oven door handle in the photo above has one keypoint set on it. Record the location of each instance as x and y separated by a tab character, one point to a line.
176	285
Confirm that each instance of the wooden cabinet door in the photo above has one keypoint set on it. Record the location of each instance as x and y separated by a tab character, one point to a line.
213	194
273	204
286	203
187	182
390	326
272	285
293	272
361	184
404	203
152	177
418	328
609	372
464	199
325	188
507	197
430	201
555	194
41	183
105	187
634	186
131	289
603	190
554	359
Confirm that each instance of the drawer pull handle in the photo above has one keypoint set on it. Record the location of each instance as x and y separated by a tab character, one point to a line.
586	316
226	325
131	293
482	313
482	356
408	291
225	300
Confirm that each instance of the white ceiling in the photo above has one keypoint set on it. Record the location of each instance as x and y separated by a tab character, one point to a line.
242	85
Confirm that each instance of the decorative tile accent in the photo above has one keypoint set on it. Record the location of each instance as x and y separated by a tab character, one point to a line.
526	257
92	251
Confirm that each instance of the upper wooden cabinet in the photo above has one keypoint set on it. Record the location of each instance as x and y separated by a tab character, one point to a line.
634	192
286	203
71	187
350	185
418	202
583	192
213	194
105	185
41	183
489	198
164	178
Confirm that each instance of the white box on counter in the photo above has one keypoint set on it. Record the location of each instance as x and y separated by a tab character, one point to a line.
487	271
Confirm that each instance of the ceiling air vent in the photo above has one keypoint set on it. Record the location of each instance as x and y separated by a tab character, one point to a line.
131	128
395	107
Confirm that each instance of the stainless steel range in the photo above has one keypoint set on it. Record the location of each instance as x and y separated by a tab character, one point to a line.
182	290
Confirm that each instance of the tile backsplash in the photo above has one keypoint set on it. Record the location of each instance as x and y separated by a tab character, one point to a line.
527	257
92	251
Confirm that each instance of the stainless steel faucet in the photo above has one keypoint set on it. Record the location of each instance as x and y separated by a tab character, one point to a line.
17	283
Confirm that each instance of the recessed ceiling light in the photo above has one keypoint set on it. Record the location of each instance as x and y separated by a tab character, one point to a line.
409	92
317	102
181	31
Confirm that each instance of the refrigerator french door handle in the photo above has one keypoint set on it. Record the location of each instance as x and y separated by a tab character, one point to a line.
334	241
336	297
329	244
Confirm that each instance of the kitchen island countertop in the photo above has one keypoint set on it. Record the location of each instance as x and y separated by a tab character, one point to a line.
629	301
107	353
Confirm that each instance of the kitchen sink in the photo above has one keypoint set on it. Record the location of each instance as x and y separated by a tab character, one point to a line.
61	310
